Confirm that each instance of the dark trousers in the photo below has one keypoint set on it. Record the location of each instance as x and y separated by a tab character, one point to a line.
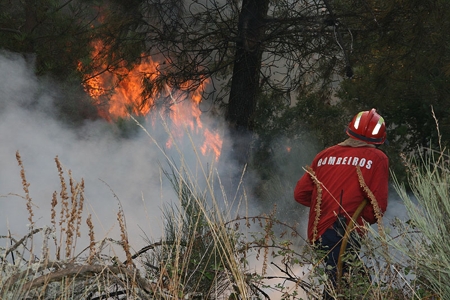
331	242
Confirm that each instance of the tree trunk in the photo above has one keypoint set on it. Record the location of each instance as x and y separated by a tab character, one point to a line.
246	73
31	10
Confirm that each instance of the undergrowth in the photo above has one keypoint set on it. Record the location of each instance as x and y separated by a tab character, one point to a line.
210	251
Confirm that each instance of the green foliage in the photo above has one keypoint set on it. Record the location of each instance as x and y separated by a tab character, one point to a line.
314	114
190	256
425	234
273	134
289	133
281	147
56	35
196	254
400	59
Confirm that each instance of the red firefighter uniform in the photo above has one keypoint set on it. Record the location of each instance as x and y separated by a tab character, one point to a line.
335	169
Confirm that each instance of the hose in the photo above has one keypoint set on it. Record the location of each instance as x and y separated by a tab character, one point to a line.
348	231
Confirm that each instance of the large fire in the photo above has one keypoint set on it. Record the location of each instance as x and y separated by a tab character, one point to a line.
120	92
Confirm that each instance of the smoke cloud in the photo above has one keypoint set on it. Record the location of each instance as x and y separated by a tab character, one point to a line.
113	167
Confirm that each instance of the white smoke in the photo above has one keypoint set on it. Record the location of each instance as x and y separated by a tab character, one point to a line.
112	167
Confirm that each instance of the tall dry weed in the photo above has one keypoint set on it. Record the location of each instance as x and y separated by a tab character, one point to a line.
68	274
25	186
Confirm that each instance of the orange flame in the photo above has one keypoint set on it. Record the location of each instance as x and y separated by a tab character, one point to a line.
213	141
120	91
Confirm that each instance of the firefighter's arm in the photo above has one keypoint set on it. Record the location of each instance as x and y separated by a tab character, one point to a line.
303	190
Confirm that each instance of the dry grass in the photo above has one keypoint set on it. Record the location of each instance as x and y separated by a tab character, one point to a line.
69	274
318	202
207	251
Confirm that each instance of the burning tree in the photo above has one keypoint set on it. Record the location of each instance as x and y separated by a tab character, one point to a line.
231	52
249	51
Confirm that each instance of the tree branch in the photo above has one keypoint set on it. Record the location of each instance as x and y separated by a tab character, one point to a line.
10	30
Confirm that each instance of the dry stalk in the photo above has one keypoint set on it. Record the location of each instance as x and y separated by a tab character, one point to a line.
377	210
63	193
53	215
73	217
21	241
80	207
25	186
73	187
64	204
318	202
45	248
373	200
53	210
92	251
268	228
124	236
70	217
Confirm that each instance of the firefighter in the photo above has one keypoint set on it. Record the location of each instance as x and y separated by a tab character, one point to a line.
331	187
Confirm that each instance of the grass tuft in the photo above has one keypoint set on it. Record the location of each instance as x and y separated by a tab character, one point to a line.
209	251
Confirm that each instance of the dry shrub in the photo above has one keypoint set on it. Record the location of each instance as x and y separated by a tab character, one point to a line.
68	274
205	253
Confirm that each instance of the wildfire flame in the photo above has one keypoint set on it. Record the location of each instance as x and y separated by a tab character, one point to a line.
120	91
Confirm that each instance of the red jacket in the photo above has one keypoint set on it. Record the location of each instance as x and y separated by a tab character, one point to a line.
335	168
